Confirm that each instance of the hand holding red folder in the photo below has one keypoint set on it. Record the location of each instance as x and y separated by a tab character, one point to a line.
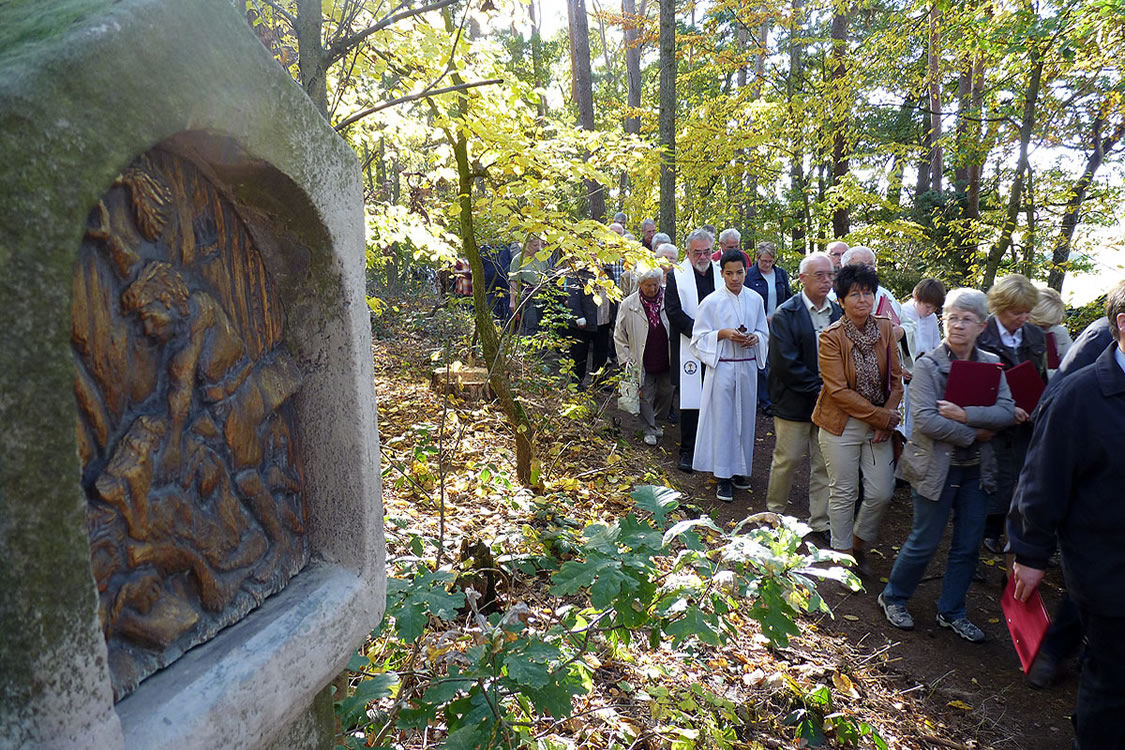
1027	622
1026	385
973	383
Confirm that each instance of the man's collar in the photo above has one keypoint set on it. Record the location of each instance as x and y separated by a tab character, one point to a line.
824	307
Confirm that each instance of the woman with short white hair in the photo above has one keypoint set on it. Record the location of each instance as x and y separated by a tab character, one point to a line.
641	339
1048	314
952	467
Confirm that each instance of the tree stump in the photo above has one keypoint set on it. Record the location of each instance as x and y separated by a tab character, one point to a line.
470	383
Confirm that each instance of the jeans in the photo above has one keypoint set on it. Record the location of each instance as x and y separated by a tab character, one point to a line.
1101	688
764	388
962	496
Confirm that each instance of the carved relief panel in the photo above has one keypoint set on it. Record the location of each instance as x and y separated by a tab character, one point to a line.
184	385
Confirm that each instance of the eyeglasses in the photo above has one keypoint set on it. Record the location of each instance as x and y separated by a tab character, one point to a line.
957	320
822	275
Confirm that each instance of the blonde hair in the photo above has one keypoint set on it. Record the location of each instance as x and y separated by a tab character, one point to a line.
1049	311
1012	292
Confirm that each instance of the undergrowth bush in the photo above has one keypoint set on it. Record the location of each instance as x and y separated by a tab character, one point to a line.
443	662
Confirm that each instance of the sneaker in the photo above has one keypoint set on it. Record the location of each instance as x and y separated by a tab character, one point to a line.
650	439
740	482
725	492
897	614
994	544
962	627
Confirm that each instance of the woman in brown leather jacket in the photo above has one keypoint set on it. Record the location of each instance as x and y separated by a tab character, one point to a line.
856	411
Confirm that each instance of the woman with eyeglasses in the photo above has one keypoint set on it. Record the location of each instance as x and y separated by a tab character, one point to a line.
856	410
951	465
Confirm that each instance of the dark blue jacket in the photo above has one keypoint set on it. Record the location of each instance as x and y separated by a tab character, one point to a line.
794	377
757	282
1087	347
1072	486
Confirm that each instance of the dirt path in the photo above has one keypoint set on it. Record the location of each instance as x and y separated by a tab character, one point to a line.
977	683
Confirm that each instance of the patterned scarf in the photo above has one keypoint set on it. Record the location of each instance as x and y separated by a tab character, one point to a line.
868	380
652	308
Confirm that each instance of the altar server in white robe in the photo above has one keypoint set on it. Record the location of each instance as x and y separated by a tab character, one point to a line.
730	337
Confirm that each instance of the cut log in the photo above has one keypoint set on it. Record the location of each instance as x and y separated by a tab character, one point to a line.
470	383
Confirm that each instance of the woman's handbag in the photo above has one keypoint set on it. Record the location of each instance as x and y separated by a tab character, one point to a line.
630	389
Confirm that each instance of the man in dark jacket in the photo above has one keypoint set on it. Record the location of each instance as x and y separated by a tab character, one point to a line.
589	323
794	383
1070	489
680	303
1089	345
772	284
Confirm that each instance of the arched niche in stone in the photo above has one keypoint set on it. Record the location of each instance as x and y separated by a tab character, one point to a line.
122	106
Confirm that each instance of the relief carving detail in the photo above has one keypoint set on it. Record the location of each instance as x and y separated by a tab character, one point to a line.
185	424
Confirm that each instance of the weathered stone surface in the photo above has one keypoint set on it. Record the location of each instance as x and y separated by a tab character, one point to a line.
87	86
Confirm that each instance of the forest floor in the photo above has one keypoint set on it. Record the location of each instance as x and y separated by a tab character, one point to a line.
920	689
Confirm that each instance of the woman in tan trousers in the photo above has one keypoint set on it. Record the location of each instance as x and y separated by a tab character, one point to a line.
856	411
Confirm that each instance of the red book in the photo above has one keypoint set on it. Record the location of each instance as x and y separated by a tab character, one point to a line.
973	383
887	310
1026	385
1053	360
1027	622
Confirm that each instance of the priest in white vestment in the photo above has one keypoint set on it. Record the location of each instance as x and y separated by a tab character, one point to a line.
730	337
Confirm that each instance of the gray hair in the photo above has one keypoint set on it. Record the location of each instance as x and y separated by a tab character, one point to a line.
852	252
654	274
669	246
808	259
647	223
659	239
615	227
620	217
729	233
969	300
700	235
765	248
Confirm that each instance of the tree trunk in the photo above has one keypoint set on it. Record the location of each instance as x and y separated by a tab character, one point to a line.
1061	255
526	465
632	77
840	100
1027	124
537	58
311	57
667	221
582	90
798	197
934	74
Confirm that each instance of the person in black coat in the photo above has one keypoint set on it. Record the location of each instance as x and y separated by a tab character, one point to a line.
794	383
589	323
1010	336
772	283
1070	490
699	244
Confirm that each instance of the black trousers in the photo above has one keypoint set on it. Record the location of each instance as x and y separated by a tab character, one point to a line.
584	342
1101	688
689	424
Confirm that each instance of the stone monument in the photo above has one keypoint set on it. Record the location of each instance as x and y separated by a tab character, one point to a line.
189	482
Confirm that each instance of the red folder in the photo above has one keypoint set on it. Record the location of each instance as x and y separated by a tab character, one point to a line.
887	310
1027	622
1026	385
973	383
1053	360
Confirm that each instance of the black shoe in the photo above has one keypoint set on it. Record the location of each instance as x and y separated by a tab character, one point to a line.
819	539
740	482
768	410
994	544
724	491
1044	671
685	463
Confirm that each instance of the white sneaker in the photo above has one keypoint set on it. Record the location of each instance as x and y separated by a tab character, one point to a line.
650	439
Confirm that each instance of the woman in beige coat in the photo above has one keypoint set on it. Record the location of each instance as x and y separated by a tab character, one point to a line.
641	340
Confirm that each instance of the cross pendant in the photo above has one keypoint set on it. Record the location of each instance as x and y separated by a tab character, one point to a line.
742	329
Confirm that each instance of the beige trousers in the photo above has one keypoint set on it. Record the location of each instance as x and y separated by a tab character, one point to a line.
793	441
844	456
